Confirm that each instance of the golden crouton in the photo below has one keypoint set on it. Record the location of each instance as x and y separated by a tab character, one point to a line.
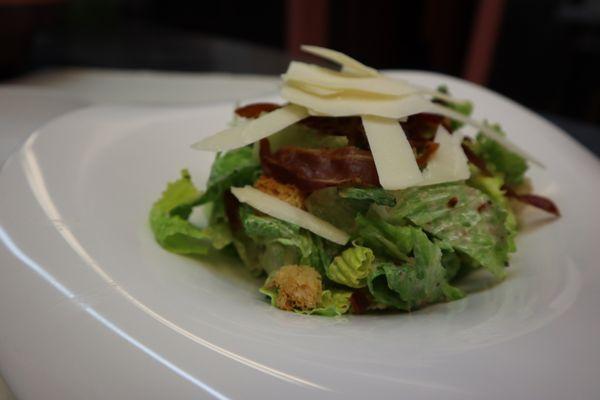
298	287
288	193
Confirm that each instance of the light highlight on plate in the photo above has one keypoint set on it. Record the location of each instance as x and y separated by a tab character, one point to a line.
37	183
37	268
14	249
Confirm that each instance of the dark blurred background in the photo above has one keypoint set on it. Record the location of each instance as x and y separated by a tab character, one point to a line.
542	53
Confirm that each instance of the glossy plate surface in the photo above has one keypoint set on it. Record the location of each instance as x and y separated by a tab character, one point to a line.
91	307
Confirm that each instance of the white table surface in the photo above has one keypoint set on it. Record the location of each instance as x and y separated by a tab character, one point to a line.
29	102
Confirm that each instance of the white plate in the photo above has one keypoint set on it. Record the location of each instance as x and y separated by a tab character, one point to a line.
23	109
91	307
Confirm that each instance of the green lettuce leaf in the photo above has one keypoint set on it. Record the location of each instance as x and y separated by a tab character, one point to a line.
452	264
237	167
371	195
340	207
249	252
172	230
333	302
275	255
465	108
492	186
286	243
181	191
299	135
385	239
500	160
415	283
475	225
328	205
351	267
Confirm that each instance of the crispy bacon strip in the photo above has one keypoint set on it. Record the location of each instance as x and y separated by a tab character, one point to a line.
313	169
418	127
543	203
255	109
420	130
424	126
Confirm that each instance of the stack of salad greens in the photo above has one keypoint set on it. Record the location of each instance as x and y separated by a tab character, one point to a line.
399	249
408	247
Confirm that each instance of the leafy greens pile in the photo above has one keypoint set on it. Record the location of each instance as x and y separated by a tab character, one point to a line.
408	248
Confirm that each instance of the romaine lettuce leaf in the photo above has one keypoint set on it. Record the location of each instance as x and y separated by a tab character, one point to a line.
492	186
340	207
181	191
370	195
415	283
351	267
249	252
329	206
465	108
386	239
452	264
237	167
500	160
471	222
285	243
333	303
172	230
299	135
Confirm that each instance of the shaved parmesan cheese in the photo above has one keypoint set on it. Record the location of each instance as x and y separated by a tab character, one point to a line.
346	104
253	131
448	163
348	64
486	130
316	90
394	159
318	76
284	211
273	122
224	140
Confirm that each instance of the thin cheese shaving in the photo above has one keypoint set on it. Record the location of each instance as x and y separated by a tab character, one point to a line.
281	210
348	63
224	140
273	122
253	131
448	163
326	78
357	90
353	104
316	90
393	155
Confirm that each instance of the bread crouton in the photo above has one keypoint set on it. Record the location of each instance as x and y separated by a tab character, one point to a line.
288	193
298	287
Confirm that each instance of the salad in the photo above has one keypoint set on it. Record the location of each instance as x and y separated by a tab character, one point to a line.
359	193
